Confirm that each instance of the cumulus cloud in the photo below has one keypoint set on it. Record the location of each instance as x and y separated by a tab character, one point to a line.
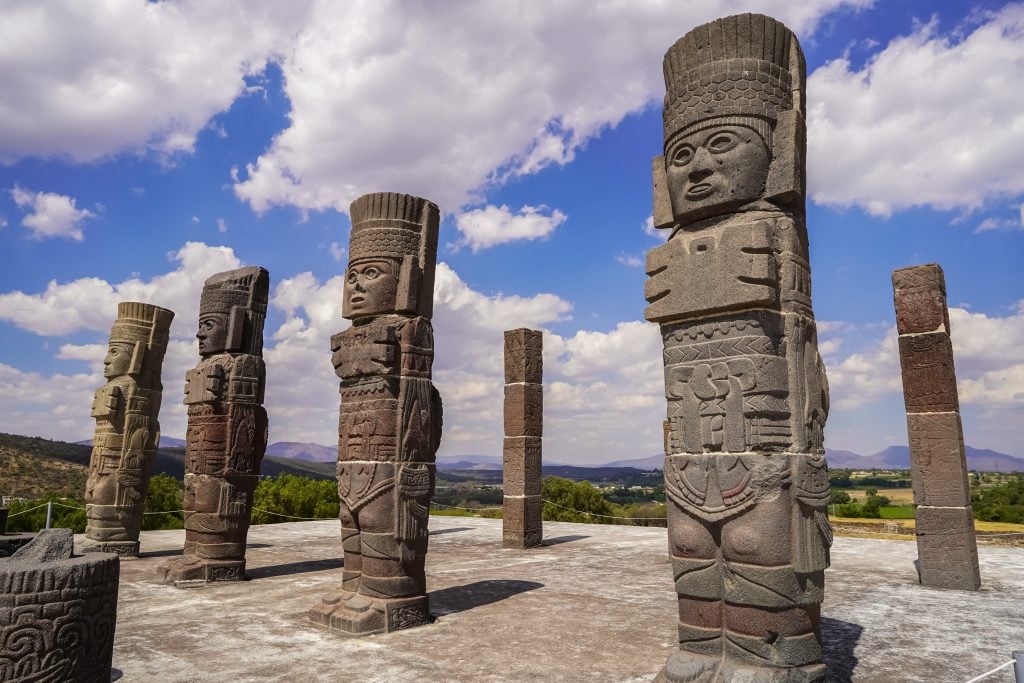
493	225
51	214
631	260
933	119
1015	223
95	79
380	100
91	303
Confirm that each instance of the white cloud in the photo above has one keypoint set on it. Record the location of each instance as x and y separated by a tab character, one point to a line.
51	214
222	226
98	78
1015	223
445	100
649	229
493	225
931	120
631	260
91	303
337	251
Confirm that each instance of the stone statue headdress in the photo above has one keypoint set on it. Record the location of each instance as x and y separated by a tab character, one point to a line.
402	228
241	297
747	70
146	327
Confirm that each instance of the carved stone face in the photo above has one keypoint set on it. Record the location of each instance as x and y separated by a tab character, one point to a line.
212	334
371	288
118	360
716	170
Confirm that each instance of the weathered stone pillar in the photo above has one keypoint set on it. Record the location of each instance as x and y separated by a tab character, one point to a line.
227	428
946	545
522	506
127	432
389	426
57	612
745	473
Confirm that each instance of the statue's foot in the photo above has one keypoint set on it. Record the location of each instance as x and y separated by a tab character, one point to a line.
124	549
361	615
812	673
688	667
321	612
190	570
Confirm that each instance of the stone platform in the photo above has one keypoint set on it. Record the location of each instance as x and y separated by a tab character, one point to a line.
594	603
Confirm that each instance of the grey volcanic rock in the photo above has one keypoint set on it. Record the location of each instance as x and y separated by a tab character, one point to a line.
389	424
57	612
945	523
745	471
524	424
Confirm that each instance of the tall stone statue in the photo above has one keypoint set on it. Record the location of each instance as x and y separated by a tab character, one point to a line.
227	428
745	471
127	432
390	421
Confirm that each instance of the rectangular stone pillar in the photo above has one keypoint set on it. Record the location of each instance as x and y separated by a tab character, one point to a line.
524	426
946	545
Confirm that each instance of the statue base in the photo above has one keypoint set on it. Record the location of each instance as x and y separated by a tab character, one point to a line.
358	615
187	571
689	667
126	550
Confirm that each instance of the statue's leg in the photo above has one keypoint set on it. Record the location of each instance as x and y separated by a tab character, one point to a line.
350	573
696	567
771	615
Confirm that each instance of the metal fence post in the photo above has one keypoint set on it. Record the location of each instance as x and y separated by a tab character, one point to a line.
49	513
1018	665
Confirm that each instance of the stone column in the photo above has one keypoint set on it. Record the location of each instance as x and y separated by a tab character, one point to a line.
57	612
946	546
227	428
524	428
389	425
745	473
127	432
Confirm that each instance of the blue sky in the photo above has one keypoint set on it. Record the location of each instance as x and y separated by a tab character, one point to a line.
145	146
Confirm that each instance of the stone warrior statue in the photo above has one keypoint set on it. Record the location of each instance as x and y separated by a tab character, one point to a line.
227	428
745	470
390	423
127	431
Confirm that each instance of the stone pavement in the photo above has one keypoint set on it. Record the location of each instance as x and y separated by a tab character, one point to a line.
594	603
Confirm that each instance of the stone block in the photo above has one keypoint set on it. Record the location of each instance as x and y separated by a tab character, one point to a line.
524	410
62	625
522	521
929	377
919	294
947	548
524	356
521	465
939	468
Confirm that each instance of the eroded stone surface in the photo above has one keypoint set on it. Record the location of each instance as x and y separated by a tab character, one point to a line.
227	428
389	426
57	612
524	426
745	473
947	548
127	435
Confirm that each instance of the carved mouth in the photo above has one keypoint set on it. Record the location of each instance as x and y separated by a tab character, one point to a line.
356	300
699	191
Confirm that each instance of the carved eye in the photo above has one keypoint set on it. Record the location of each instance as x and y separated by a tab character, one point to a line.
351	277
722	142
371	273
113	351
682	155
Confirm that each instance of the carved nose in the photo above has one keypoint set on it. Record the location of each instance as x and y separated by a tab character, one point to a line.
699	174
700	166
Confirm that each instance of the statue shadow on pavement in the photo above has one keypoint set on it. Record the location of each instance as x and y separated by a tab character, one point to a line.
840	640
563	539
438	532
461	598
294	568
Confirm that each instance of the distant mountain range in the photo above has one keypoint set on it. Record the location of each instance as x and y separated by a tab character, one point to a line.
891	458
